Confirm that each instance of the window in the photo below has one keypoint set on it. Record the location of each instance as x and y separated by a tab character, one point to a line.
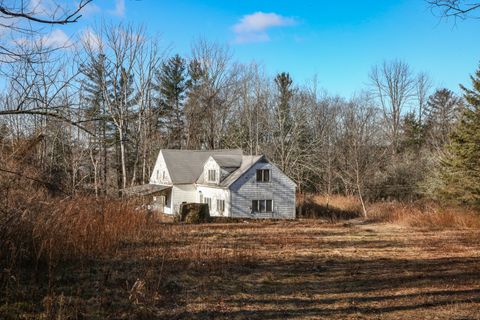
209	202
221	206
262	206
263	175
163	175
212	175
269	205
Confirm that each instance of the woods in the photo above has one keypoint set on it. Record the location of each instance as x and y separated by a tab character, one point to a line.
104	110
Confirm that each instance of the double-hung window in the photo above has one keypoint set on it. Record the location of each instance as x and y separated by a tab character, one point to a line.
212	175
263	175
261	206
220	206
209	202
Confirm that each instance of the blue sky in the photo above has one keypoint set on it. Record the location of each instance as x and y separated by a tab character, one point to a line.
335	41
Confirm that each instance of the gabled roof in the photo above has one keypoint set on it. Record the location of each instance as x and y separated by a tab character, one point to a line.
247	163
185	166
228	161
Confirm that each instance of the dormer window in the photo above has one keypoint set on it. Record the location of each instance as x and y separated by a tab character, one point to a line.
212	175
263	175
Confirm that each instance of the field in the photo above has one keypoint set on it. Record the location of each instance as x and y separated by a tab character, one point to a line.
305	269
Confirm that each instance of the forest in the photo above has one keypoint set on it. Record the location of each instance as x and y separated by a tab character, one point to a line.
96	116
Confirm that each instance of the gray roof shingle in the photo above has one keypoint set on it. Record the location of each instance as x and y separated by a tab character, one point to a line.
185	166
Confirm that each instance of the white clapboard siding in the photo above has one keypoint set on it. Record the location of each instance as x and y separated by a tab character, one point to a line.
160	174
182	193
215	194
280	189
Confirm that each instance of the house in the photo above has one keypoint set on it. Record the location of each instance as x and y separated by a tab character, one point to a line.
232	184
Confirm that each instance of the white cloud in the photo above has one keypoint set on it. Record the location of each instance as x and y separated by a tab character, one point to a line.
39	7
119	10
90	9
91	39
254	27
56	38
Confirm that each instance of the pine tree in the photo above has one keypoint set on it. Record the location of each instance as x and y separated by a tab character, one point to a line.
461	165
413	133
172	86
285	94
96	85
283	117
441	113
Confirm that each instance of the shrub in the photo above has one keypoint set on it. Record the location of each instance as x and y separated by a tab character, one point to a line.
194	213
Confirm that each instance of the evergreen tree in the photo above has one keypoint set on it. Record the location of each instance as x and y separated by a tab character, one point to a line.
172	86
413	133
461	165
441	113
284	82
96	85
283	119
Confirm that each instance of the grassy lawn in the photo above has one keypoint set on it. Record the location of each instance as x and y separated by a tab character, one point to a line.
265	270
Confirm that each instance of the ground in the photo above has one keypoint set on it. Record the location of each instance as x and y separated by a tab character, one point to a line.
271	270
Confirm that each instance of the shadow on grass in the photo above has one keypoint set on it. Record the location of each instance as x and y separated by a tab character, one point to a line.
343	288
206	284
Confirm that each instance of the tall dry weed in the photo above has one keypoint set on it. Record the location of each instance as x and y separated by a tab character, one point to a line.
424	215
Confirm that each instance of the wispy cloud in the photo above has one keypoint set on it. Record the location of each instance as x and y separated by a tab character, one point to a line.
90	9
56	38
91	39
119	10
254	27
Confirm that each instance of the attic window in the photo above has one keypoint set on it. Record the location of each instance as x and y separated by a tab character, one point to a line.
263	175
212	175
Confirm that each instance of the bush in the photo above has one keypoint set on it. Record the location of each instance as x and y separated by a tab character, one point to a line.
194	213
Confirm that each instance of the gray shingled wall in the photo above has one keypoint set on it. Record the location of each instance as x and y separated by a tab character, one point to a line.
280	189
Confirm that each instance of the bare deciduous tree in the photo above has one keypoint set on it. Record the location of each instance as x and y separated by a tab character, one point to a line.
455	8
393	84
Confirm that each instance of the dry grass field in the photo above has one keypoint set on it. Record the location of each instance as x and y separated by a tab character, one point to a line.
306	269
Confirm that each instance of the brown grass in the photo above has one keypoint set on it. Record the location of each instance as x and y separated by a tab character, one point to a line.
111	262
424	215
331	208
268	270
421	214
54	231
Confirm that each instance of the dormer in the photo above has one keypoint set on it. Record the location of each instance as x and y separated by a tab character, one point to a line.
160	174
218	167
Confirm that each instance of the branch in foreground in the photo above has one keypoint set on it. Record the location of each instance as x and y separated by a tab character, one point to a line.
68	18
47	114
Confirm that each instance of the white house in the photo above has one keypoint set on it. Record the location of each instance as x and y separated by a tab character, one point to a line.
232	184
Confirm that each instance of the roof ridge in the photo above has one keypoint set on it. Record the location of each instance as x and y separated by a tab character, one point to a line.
191	150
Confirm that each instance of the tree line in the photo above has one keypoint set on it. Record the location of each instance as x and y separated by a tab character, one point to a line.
99	114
